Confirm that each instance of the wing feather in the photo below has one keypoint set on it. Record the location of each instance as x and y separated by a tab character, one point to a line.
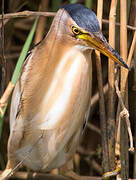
17	93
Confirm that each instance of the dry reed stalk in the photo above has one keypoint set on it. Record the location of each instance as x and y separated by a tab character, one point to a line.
131	51
129	59
46	14
134	106
5	96
132	78
134	89
105	159
125	114
111	92
43	176
105	21
123	41
93	128
39	34
123	86
3	63
26	14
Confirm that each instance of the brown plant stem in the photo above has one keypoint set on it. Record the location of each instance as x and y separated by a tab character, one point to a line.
134	108
131	51
42	176
105	159
125	114
26	14
132	77
5	96
124	93
37	13
3	77
129	60
105	21
111	92
39	34
93	128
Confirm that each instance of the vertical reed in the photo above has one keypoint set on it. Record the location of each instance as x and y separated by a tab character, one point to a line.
111	91
39	34
101	96
123	86
3	63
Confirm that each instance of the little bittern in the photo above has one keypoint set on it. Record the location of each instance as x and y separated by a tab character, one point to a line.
52	95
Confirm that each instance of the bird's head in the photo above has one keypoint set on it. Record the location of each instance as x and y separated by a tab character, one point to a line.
86	31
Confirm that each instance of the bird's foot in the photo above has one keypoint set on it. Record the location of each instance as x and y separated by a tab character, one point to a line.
109	174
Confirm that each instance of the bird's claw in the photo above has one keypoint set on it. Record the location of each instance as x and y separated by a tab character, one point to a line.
109	174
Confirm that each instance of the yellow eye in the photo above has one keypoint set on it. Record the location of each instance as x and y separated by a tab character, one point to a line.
75	30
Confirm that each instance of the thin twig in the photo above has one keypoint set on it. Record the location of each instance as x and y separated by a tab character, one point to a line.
85	152
105	21
93	128
37	13
124	113
26	14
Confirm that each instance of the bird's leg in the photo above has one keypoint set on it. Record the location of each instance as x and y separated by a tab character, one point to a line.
110	174
67	170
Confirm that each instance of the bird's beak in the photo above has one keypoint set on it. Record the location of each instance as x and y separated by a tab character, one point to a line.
97	41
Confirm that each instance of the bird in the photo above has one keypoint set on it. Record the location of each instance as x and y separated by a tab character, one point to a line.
51	99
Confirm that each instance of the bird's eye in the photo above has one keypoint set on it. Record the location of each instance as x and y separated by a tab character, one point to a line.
75	30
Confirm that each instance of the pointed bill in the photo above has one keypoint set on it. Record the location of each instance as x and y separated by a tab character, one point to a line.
98	42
